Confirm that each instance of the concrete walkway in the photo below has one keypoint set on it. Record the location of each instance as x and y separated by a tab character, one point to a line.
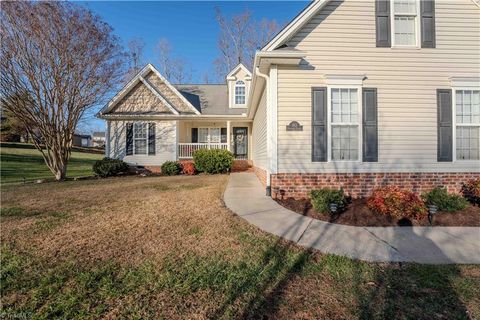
245	196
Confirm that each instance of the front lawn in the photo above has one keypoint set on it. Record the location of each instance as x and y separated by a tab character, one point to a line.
167	248
22	161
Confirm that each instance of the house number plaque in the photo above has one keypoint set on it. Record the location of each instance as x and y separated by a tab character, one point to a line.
294	126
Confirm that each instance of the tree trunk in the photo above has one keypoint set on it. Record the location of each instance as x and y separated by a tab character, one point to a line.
61	173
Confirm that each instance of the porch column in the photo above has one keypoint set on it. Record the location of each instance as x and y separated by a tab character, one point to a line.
229	135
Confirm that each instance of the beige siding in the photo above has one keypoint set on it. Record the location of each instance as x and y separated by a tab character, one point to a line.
259	134
165	143
341	40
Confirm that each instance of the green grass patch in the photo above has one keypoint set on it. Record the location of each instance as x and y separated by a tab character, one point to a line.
23	161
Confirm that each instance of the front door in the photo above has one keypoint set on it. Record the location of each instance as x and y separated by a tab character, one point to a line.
240	142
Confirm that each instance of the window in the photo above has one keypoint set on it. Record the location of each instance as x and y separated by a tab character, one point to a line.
404	28
467	124
209	135
344	124
140	138
240	92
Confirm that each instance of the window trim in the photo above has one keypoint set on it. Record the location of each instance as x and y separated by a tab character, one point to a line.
359	122
244	85
454	123
134	153
208	135
417	44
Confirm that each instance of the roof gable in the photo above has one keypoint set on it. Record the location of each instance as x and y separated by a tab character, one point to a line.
295	25
240	66
154	94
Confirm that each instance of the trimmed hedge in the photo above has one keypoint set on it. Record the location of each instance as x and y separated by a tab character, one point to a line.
171	168
108	167
213	160
322	198
445	201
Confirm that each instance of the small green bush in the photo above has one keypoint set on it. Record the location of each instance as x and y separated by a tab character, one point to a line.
171	168
445	201
108	167
322	198
213	160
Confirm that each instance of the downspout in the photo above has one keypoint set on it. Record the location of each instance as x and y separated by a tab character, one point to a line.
267	88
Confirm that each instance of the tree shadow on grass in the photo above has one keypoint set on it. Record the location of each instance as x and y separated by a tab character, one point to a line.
261	290
411	290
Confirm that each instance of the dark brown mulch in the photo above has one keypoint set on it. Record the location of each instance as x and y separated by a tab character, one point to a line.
358	214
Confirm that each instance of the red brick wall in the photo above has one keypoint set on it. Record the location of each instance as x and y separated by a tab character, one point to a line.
241	165
261	175
297	185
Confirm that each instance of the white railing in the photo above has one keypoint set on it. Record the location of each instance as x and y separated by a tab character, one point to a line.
186	150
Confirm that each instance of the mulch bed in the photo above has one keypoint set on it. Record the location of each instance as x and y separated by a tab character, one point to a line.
358	214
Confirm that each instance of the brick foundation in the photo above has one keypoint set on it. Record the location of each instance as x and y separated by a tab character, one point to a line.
261	175
357	185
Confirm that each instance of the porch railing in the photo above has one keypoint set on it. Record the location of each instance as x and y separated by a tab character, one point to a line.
186	150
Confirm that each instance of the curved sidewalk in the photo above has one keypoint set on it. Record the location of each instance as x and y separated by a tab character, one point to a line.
245	196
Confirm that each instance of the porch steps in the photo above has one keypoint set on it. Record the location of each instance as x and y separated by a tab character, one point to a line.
242	166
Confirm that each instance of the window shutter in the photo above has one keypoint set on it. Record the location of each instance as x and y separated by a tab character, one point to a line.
445	130
427	23
129	141
370	125
382	17
223	135
151	139
319	124
194	135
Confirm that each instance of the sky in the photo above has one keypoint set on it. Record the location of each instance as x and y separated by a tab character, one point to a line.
189	26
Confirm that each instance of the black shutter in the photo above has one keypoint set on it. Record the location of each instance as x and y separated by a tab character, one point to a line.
382	25
319	124
194	135
444	131
370	125
129	141
151	139
223	135
427	24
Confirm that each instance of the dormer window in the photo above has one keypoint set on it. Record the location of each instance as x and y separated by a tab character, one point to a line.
239	92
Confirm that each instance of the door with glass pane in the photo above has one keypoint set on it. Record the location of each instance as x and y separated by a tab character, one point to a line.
240	142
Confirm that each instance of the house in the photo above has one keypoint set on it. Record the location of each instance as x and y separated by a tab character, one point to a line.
352	94
82	140
98	139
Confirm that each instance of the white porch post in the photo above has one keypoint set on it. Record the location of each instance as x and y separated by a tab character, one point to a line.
229	136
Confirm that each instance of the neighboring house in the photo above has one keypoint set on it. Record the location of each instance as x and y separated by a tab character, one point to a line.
98	139
82	140
353	94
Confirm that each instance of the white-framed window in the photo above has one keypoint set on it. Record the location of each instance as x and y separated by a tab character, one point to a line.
140	138
405	26
344	130
466	129
240	92
209	135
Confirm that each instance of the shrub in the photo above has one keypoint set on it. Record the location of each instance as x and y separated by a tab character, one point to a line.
396	202
171	168
108	167
471	191
213	160
322	198
188	168
444	201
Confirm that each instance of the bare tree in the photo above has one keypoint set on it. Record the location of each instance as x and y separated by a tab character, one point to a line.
135	47
240	36
176	70
58	60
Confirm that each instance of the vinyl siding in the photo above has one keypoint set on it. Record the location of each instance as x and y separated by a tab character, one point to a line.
341	40
165	144
259	134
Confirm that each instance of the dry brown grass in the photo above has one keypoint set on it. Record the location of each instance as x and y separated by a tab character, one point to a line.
166	247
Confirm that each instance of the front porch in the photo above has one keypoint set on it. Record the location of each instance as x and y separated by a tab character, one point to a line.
234	136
